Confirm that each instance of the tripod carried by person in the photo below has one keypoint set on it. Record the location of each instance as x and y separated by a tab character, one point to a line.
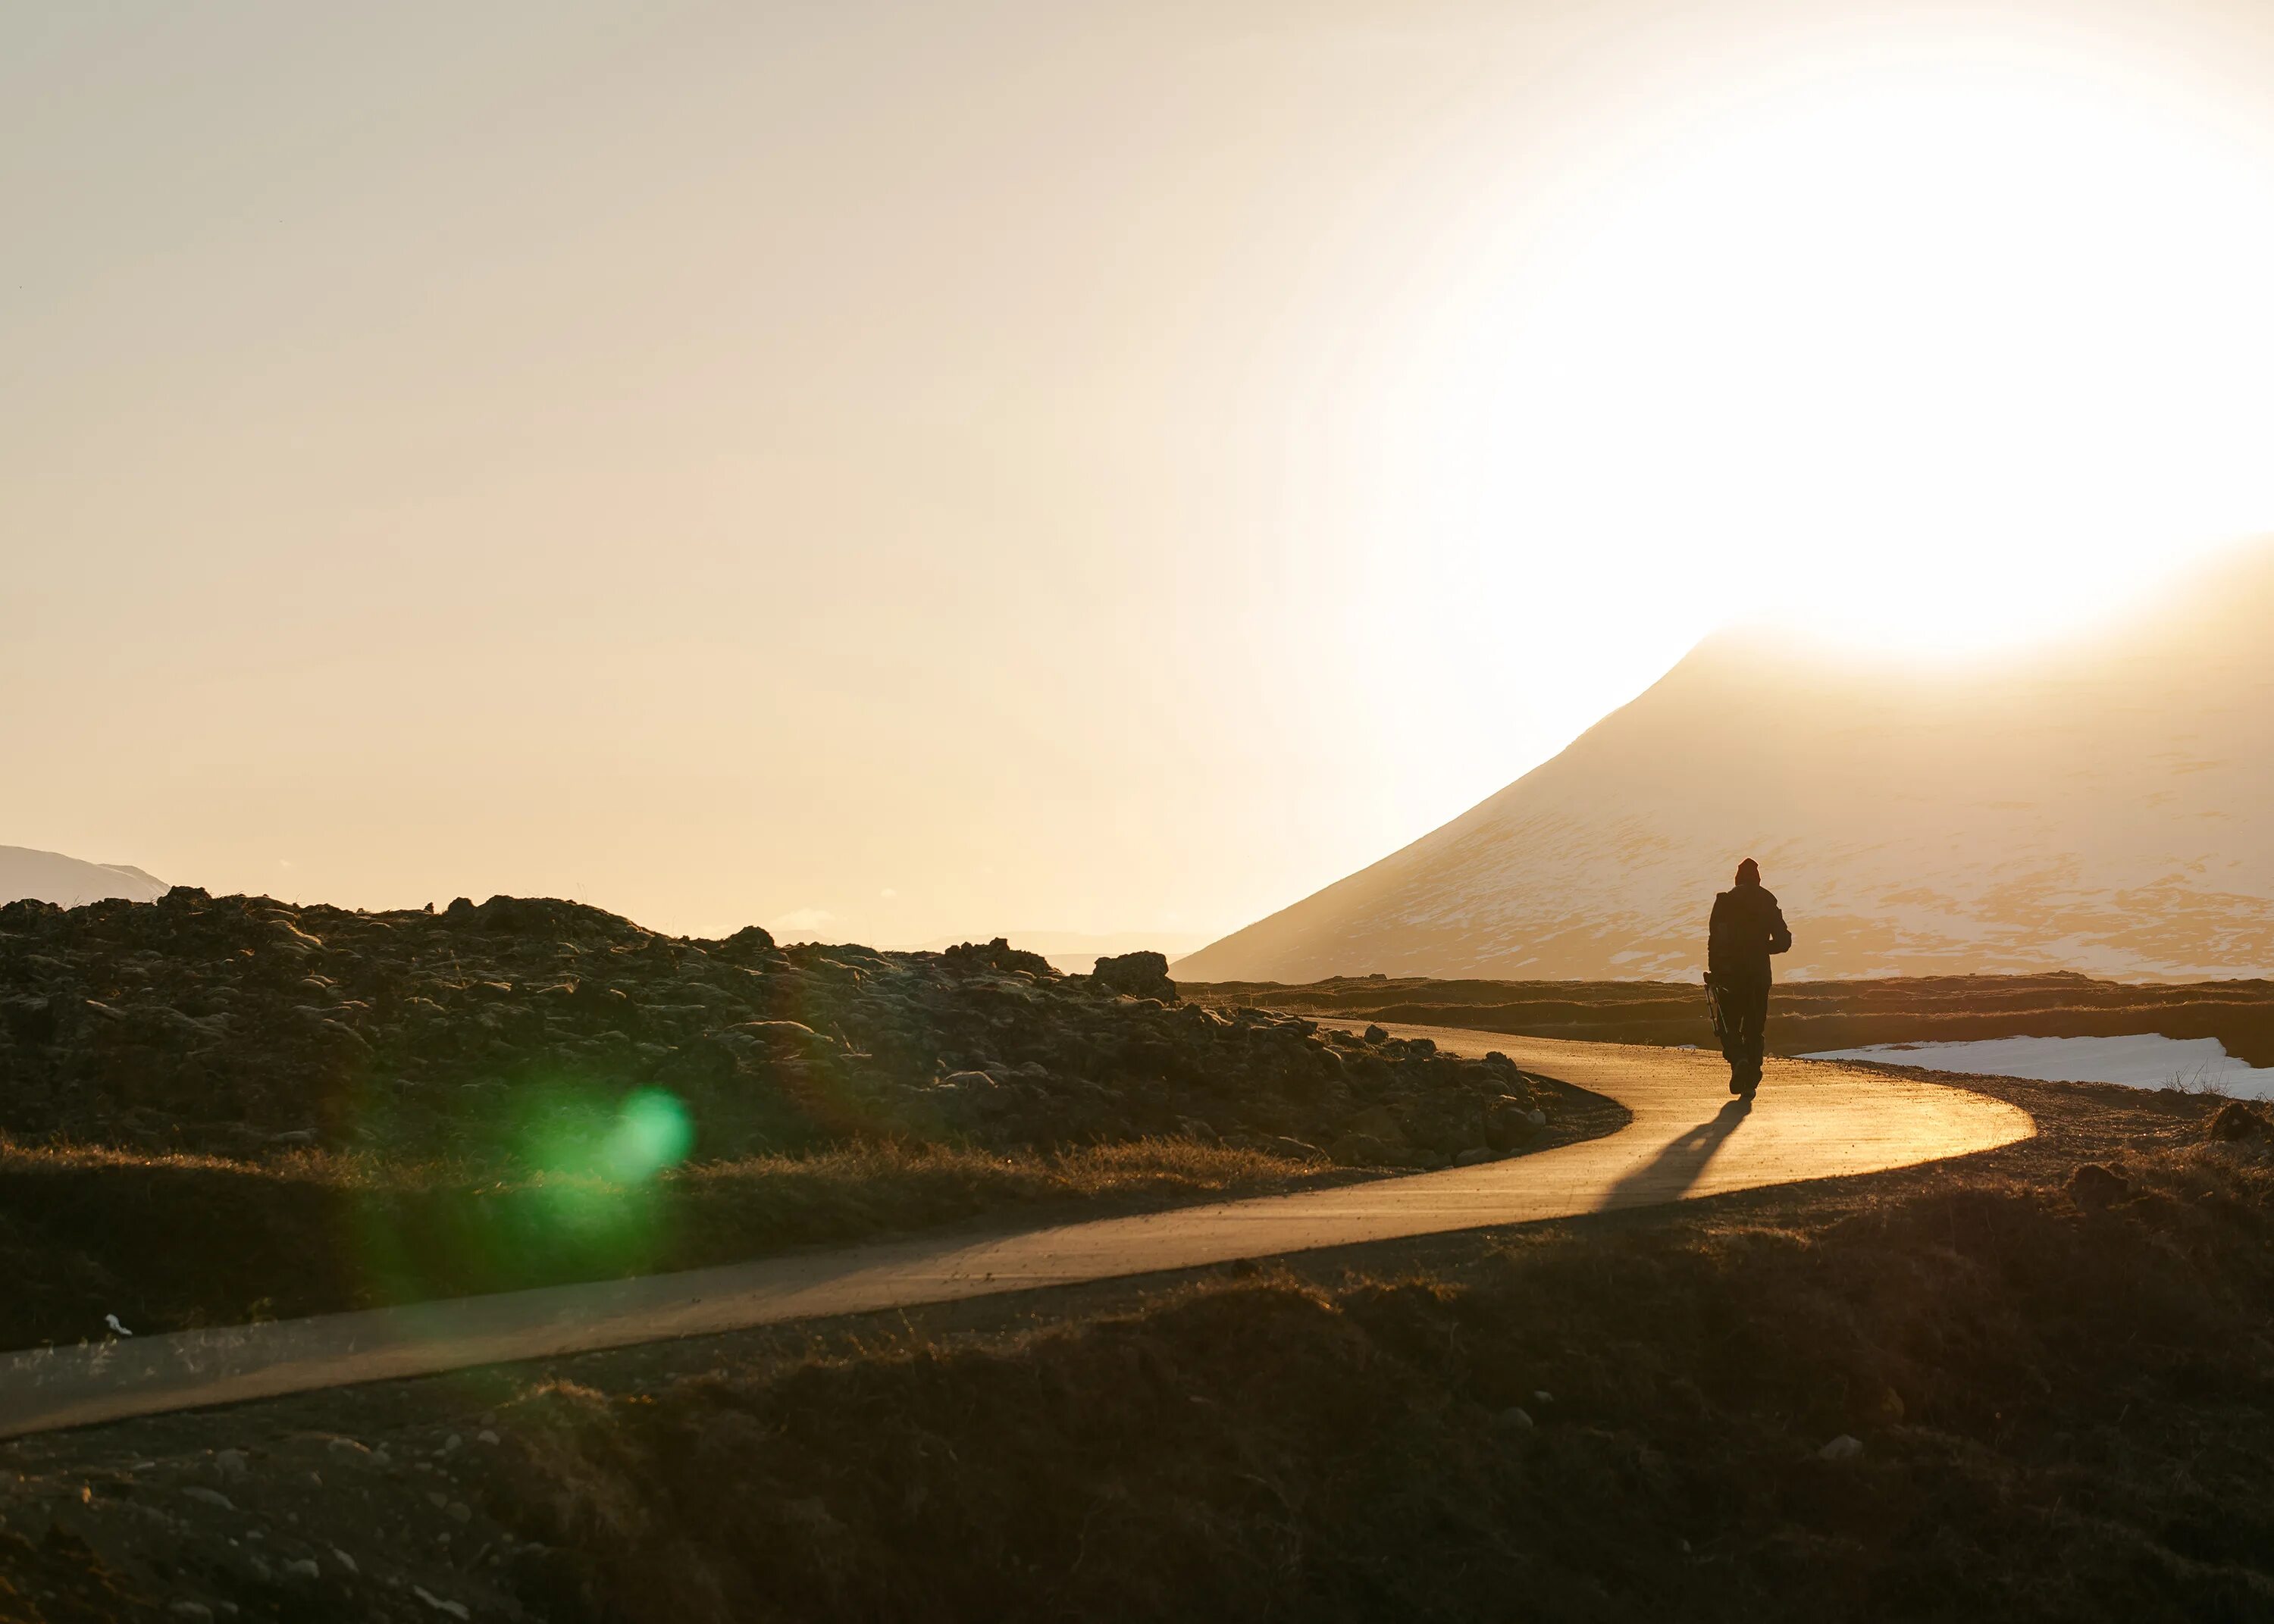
1713	1010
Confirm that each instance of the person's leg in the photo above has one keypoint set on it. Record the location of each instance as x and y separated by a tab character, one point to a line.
1733	1048
1753	998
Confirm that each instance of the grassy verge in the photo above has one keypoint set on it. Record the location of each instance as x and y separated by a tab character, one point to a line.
169	1242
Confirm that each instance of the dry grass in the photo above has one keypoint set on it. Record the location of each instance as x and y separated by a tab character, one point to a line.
2065	1412
170	1241
1805	1017
2063	1384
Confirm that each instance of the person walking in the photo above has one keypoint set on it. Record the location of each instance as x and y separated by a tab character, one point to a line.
1748	927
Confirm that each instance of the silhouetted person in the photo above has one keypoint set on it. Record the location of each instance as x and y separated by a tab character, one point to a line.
1748	927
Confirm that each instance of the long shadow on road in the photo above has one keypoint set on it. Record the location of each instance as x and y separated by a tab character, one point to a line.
1669	1176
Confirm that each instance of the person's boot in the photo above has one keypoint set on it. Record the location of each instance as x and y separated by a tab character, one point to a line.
1737	1077
1752	1081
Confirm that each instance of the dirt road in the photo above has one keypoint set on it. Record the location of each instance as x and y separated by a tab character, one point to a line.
1688	1138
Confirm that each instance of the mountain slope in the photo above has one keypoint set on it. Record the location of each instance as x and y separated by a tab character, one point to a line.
50	876
2106	806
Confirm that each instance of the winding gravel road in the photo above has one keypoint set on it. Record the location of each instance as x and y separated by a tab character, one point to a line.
1688	1138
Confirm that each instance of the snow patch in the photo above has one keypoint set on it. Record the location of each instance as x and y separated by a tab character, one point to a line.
2140	1060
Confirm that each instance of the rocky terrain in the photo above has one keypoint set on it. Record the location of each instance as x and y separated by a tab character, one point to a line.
221	1108
1805	1017
517	1030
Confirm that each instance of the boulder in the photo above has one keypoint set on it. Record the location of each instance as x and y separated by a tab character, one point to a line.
1378	1121
1364	1150
1511	1123
2094	1187
1000	955
30	1021
1140	975
2236	1121
747	945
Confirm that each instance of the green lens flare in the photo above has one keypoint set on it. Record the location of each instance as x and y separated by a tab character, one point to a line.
653	1132
563	1181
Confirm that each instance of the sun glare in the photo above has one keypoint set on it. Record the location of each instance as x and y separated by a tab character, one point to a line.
1933	357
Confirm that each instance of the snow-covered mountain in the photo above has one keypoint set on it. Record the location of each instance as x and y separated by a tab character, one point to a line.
2104	805
50	876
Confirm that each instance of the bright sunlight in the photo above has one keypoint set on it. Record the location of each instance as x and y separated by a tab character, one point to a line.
1936	357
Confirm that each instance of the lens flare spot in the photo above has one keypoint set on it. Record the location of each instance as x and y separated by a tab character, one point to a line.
652	1131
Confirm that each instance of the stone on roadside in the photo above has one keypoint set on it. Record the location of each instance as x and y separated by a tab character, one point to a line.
1475	1156
1376	1122
1844	1447
1510	1125
1357	1150
2095	1188
1515	1418
2236	1121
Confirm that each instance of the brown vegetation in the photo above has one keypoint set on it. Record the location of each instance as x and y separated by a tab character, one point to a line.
169	1242
1805	1017
2061	1408
2059	1391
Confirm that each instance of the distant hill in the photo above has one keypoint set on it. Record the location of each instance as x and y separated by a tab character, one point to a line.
2105	806
50	876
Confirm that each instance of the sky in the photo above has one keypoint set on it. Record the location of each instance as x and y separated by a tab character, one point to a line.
897	471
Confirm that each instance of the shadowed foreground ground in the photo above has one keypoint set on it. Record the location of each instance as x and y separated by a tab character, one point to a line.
2060	1380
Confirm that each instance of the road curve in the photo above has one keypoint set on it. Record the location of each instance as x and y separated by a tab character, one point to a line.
1688	1138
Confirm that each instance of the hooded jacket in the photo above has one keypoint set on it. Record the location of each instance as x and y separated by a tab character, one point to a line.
1747	927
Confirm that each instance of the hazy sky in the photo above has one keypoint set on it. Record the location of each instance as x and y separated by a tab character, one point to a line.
888	471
